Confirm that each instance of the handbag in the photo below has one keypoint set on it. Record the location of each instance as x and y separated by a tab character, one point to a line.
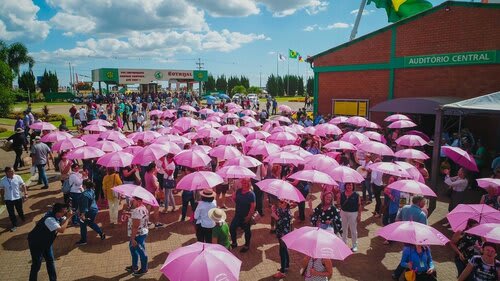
410	275
66	187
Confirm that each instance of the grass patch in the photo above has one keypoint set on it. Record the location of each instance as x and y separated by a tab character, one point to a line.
36	106
7	121
12	122
6	134
25	176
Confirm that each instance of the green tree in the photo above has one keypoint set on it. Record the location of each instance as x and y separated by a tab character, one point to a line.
310	86
26	82
221	84
300	85
255	90
5	75
17	55
245	82
6	101
232	82
272	85
239	89
281	86
54	82
45	82
210	84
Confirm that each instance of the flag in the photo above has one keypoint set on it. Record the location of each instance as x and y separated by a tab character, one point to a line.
301	59
292	54
401	9
281	57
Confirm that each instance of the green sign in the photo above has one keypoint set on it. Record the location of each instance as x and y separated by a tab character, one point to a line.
108	75
451	59
200	75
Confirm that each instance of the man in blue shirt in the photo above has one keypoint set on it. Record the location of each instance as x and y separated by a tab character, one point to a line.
244	199
414	211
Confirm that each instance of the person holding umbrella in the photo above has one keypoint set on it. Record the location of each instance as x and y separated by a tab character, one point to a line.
137	230
326	215
483	267
465	246
111	180
351	209
418	258
283	217
204	224
317	269
88	211
457	184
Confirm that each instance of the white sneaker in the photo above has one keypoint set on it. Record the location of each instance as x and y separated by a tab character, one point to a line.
354	248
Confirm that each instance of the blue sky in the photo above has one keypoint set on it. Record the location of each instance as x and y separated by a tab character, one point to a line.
232	37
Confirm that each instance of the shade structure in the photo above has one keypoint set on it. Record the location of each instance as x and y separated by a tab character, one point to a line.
199	180
154	152
282	138
346	175
317	243
340	145
260	135
233	138
396	117
338	120
201	262
313	176
296	150
56	136
100	122
375	136
107	146
265	149
245	131
281	189
132	190
411	154
320	162
327	129
186	123
284	108
235	172
112	135
85	152
146	137
284	158
400	124
43	126
358	121
490	231
354	138
481	213
95	128
243	161
389	168
188	108
68	144
487	182
192	158
411	140
414	233
376	148
224	152
461	157
413	187
117	159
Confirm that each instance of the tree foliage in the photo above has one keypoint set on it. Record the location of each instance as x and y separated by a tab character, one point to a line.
49	82
5	75
289	85
221	84
254	90
26	82
210	84
15	55
239	89
310	86
6	101
244	82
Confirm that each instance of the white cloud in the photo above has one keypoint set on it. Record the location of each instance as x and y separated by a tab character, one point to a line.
310	28
338	25
18	21
72	23
228	8
285	8
365	12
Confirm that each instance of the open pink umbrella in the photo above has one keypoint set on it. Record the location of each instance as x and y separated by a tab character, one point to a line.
284	108
100	122
269	125
206	111
376	148
461	157
327	129
117	159
68	144
354	138
412	232
235	172
313	176
253	124
338	120
489	231
155	112
411	154
297	150
487	182
201	261
132	190
230	115
411	140
179	140
282	138
320	162
90	138
281	189
168	113
230	139
112	135
373	125
123	142
249	112
358	121
153	152
186	123
245	131
201	148
413	187
95	128
317	243
282	119
284	158
85	152
188	108
345	174
310	130
402	124
396	117
199	180
146	136
228	128
56	136
287	129
340	145
248	119
299	130
224	152
189	135
389	168
169	130
261	135
107	146
375	136
43	126
264	149
411	170
420	134
192	159
133	149
214	118
243	161
481	213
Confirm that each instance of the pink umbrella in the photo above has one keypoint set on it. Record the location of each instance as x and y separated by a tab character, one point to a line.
154	152
338	120
254	124
90	138
168	114
373	125
188	108
124	142
245	131
107	146
199	180
230	116
402	124
132	149
248	119
217	113
201	148
192	159
488	182
56	136
376	148
100	122
317	243
389	168
201	261
283	119
132	190
413	187
284	108
412	232
345	174
411	154
186	123
489	231
190	135
411	140
210	133
261	135
420	134
235	172
340	145
375	136
412	171
461	157
327	129
284	158
214	118
265	149
243	161
269	125
43	126
320	162
117	159
235	110
481	213
354	138
68	144
211	124
358	121
249	112
179	140
169	130
296	150
228	128
146	136
224	152
281	189
282	138
230	139
85	152
206	111
396	117
310	130
95	128
313	176
155	112
112	135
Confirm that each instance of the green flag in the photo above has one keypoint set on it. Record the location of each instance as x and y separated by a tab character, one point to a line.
292	54
401	9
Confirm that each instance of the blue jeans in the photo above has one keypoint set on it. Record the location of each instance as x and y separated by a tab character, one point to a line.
89	221
284	257
41	175
367	186
75	198
37	254
240	222
139	252
388	219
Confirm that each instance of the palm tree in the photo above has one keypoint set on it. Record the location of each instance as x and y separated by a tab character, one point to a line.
15	55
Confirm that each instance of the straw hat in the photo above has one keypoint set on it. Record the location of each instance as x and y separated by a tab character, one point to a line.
217	215
207	193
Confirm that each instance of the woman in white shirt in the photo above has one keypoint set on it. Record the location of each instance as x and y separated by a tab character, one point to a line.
204	224
458	184
76	182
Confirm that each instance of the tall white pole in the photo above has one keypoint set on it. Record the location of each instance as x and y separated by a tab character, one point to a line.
358	19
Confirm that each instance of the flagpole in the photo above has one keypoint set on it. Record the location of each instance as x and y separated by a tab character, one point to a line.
358	19
288	80
277	63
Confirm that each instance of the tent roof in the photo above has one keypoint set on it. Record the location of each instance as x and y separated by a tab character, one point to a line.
417	105
483	104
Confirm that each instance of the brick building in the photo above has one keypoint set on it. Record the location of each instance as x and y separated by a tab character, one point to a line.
450	50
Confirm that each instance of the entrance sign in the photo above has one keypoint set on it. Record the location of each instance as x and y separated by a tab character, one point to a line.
350	107
145	76
451	59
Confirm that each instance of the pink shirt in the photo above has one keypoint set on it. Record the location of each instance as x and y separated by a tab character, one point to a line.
151	182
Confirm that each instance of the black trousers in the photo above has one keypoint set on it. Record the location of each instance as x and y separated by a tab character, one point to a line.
203	234
18	204
19	161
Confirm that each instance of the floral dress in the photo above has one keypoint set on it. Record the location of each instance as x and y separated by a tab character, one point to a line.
284	223
331	214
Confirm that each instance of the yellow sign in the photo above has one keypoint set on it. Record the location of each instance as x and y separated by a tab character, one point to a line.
350	107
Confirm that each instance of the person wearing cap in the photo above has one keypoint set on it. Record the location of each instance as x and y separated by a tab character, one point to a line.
41	153
13	192
220	232
204	224
19	142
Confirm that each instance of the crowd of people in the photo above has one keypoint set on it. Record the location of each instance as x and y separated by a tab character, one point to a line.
88	188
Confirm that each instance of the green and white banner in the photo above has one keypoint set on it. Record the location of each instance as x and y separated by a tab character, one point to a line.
146	76
451	59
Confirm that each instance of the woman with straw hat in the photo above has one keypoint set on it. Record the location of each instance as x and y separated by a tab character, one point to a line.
204	224
220	233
